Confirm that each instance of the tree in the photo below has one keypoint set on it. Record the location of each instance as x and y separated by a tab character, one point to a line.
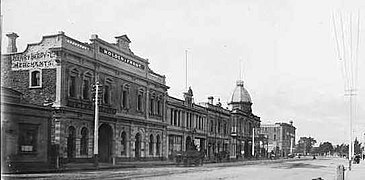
357	147
325	148
342	149
305	145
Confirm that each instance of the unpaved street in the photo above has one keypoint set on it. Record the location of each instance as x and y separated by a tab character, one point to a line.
298	169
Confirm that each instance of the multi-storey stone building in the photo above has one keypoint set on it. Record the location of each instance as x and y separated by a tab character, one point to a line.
137	119
204	125
281	137
218	128
60	71
186	124
243	121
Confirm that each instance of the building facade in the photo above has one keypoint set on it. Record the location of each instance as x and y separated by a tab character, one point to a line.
186	124
61	71
281	138
25	132
138	120
243	122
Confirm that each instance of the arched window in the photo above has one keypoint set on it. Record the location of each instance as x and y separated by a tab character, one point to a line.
107	90
107	94
225	128
125	97
140	100
151	144
86	86
159	106
158	141
84	141
211	126
35	78
152	103
123	143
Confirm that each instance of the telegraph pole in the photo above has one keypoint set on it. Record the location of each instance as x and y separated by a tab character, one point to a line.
291	145
96	87
253	142
347	36
186	69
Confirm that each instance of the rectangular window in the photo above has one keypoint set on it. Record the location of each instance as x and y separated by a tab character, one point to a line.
159	107
124	98
72	86
35	78
178	122
211	126
139	101
28	134
85	89
187	119
107	94
152	105
175	117
171	116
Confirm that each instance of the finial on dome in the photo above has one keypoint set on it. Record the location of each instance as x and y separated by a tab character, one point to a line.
239	83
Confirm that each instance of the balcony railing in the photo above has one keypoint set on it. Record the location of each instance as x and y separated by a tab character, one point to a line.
89	105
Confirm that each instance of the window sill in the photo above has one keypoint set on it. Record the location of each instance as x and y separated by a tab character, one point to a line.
35	87
33	153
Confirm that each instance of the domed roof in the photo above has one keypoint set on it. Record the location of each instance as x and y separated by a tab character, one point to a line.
240	94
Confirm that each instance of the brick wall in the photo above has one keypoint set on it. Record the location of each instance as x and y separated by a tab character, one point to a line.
19	80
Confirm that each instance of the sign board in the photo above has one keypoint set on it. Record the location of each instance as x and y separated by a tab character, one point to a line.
121	58
37	60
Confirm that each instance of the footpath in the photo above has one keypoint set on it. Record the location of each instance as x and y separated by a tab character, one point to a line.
357	172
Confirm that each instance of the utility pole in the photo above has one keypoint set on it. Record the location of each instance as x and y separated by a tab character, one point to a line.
186	70
291	145
253	142
96	89
347	36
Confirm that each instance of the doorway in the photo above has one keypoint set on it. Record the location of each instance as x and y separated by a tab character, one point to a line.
138	146
71	142
105	142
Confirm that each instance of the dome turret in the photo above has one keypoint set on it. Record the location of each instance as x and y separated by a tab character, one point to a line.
241	99
240	94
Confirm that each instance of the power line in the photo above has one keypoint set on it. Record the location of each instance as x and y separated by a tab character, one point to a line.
347	48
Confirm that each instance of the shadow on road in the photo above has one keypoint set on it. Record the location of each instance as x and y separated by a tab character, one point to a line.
298	165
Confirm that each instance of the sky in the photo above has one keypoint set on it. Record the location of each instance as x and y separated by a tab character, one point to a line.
285	49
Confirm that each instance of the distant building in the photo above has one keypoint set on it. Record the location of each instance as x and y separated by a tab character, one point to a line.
281	137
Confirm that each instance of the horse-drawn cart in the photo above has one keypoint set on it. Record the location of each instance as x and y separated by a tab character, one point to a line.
190	157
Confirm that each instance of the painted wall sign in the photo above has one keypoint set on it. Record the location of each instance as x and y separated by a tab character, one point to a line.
121	58
38	60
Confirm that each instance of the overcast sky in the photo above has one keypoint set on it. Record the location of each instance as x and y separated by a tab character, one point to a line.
287	48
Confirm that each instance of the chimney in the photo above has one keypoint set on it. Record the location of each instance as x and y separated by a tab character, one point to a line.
94	36
291	123
12	42
210	100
